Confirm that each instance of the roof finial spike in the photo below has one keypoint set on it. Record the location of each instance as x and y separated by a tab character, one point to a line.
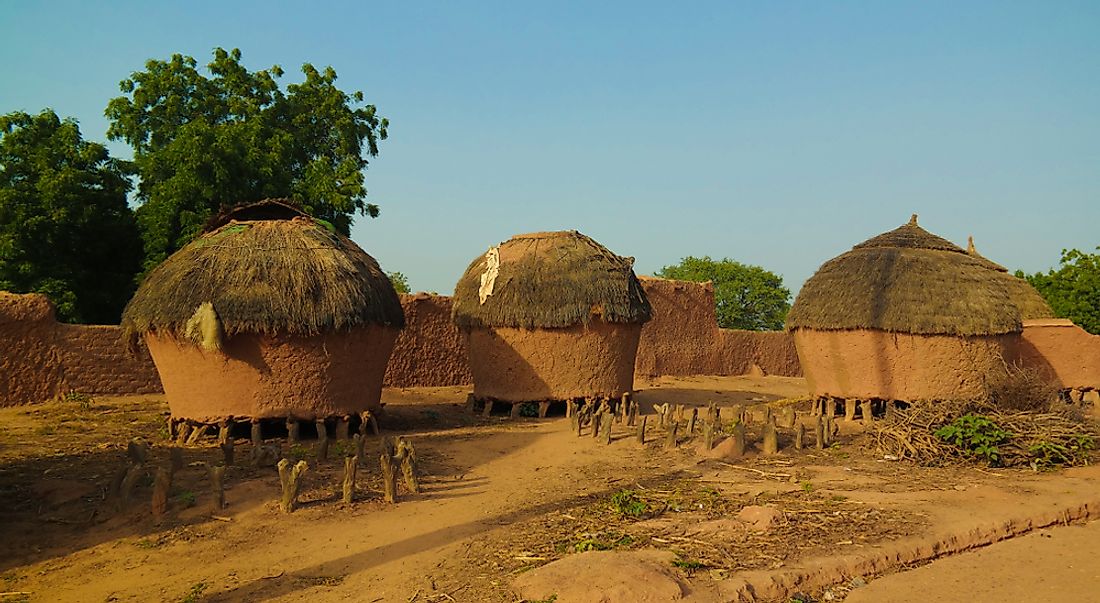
970	245
913	220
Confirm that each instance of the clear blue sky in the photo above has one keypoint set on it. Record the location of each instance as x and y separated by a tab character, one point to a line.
774	133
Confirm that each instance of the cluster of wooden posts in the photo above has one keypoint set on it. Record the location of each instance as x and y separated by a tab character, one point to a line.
397	458
815	425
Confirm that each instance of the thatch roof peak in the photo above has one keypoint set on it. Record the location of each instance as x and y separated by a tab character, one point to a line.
907	280
549	280
267	268
1026	298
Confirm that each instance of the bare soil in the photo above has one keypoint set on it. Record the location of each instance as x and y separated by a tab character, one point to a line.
502	497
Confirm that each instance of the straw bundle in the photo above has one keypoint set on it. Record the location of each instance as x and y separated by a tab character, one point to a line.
264	268
549	280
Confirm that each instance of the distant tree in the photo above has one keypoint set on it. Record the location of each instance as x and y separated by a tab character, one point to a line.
65	228
1073	290
400	282
746	297
201	143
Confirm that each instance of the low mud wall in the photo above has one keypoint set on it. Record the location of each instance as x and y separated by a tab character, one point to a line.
42	359
1066	353
683	338
429	351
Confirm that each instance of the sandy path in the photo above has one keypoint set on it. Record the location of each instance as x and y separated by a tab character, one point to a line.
1061	564
508	474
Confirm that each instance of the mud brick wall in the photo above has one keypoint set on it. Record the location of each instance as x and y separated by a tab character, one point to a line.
30	370
683	337
95	360
429	351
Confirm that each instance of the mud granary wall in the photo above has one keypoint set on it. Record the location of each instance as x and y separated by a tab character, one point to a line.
42	359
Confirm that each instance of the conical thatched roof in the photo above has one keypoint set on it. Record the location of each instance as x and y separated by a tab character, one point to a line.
1028	299
907	280
266	268
549	280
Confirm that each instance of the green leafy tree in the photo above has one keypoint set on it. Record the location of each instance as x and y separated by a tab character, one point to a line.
66	230
1073	290
400	282
203	142
746	297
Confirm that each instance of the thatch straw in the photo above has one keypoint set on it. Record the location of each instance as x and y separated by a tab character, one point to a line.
550	280
1026	298
265	268
906	281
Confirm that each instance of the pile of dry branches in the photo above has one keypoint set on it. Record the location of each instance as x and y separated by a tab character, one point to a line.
1055	434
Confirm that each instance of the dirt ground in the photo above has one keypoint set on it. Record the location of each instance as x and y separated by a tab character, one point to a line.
502	501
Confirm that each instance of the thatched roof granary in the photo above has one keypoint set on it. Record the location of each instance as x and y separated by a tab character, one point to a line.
550	316
902	316
269	313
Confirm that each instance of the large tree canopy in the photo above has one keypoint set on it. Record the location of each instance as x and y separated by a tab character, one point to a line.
65	228
201	143
1073	290
746	297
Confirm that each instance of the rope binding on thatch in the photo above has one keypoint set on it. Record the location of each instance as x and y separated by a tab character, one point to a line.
265	268
907	280
549	280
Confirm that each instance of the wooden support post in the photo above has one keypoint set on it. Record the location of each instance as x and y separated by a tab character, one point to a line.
632	418
217	486
368	423
183	431
789	417
868	412
227	451
138	451
162	485
830	407
692	420
800	436
198	433
257	432
544	408
596	420
740	439
343	426
850	405
575	422
360	443
292	431
175	460
830	426
819	432
570	409
406	453
389	477
670	435
351	467
471	403
171	421
487	410
290	477
641	431
679	416
625	403
225	427
129	480
708	434
322	440
771	437
608	418
514	413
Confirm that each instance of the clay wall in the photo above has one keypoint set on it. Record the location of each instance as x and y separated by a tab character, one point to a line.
429	351
1068	354
95	360
29	367
683	337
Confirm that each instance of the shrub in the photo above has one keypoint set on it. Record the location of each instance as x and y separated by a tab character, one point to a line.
976	436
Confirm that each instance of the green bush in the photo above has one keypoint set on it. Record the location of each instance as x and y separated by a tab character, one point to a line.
976	436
